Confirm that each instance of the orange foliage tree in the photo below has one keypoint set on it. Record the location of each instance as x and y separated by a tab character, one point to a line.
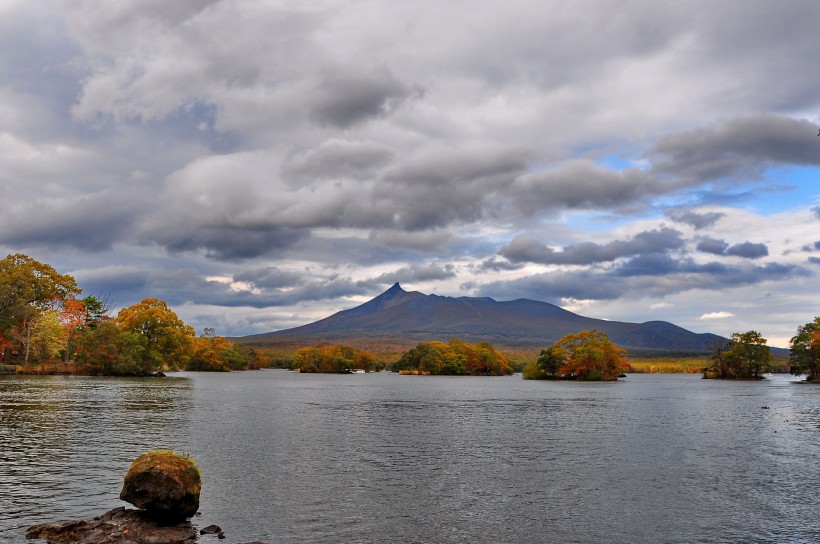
333	359
215	353
456	357
587	355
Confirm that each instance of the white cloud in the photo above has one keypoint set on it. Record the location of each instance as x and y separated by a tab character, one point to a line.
716	315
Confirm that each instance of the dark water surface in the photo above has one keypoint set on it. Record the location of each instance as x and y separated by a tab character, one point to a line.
291	457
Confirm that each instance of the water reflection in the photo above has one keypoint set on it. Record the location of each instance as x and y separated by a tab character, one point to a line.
383	458
67	441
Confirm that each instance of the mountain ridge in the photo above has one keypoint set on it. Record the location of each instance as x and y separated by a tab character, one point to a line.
408	317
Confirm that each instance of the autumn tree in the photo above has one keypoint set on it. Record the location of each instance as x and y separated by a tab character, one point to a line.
168	340
27	289
215	353
456	357
804	357
333	359
112	350
587	355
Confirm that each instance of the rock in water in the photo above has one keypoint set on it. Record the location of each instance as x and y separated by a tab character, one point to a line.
164	484
118	526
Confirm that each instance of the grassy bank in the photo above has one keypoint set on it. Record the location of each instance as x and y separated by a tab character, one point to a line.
669	365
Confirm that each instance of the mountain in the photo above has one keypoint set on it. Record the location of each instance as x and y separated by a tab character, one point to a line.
400	317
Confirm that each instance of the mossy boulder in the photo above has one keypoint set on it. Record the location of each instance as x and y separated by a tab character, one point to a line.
164	484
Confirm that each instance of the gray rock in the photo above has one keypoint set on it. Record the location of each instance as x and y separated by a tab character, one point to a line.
210	530
117	526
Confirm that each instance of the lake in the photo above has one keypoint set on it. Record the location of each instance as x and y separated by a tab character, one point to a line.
289	457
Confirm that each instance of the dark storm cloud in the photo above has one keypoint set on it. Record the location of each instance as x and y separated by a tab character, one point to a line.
449	184
270	278
747	250
712	245
741	146
650	276
816	211
695	219
654	241
431	241
120	285
228	242
581	184
93	222
416	273
128	285
334	159
345	100
494	264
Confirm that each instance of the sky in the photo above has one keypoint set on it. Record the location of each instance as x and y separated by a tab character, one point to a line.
262	164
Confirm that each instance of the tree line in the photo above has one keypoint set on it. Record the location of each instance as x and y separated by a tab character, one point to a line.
43	319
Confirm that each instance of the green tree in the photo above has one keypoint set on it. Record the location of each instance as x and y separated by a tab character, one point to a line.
804	357
112	350
750	352
96	310
744	356
169	341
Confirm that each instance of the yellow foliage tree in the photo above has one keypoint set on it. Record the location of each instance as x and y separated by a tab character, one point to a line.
169	341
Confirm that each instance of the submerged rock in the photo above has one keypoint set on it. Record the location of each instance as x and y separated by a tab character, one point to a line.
120	525
164	484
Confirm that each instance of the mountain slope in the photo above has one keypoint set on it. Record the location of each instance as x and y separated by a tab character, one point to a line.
413	317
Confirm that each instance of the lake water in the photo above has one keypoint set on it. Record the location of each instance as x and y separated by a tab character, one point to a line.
289	457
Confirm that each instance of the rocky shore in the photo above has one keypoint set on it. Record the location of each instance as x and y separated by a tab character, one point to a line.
164	486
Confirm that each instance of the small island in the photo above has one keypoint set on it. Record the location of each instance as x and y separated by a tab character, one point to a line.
455	358
805	351
744	357
588	355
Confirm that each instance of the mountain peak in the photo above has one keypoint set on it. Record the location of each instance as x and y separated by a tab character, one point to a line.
396	289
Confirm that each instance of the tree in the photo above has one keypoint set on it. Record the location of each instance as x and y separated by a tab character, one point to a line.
215	353
333	359
48	335
112	350
28	287
750	352
804	357
73	318
169	341
744	356
587	355
719	365
457	357
96	310
545	367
